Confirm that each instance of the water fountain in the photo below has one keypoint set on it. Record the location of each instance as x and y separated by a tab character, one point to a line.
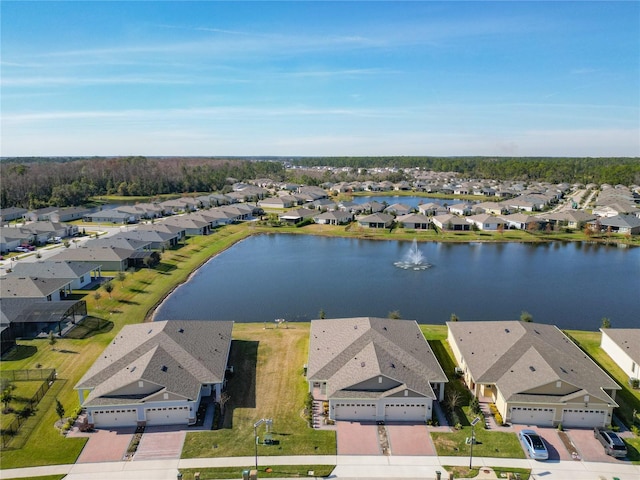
413	260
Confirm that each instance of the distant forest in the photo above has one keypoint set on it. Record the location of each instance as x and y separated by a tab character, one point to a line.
39	182
614	171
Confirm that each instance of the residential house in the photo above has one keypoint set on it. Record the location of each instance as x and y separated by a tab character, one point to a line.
623	346
373	369
486	222
155	239
376	220
12	237
450	222
47	289
431	209
156	373
336	217
491	208
533	373
625	224
284	201
415	221
112	215
191	224
81	275
521	221
30	318
297	215
109	258
44	230
12	213
398	209
460	209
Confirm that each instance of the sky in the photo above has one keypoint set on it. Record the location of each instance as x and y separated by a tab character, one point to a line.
425	78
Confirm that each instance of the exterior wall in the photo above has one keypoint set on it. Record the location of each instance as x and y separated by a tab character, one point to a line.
624	361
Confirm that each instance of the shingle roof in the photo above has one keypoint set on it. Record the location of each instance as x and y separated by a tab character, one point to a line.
520	356
347	351
27	287
628	339
177	356
53	269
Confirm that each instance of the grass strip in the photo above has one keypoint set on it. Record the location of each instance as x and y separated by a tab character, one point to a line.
277	471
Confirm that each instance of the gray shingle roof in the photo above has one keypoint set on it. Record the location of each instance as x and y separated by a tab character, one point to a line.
519	356
347	351
175	356
53	269
628	339
27	287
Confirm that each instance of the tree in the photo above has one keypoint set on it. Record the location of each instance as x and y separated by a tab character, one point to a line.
108	287
453	400
395	315
526	316
59	409
121	277
52	339
453	318
7	398
606	323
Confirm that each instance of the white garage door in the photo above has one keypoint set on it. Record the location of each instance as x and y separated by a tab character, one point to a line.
542	417
167	415
583	418
115	418
354	411
409	412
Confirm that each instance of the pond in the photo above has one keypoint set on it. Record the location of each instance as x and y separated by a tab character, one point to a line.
265	277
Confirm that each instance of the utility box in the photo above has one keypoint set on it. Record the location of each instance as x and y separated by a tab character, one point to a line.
253	474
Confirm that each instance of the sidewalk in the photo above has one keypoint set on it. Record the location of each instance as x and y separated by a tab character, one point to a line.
347	467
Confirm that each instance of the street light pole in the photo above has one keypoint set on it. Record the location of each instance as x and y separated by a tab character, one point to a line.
473	439
255	437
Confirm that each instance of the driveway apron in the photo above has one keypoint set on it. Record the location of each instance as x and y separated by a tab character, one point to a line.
161	443
355	438
407	439
106	445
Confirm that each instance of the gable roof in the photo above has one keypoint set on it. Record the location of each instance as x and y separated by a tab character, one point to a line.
628	339
347	351
53	269
177	356
27	287
519	356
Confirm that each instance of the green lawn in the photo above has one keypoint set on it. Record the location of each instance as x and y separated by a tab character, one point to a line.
627	398
277	471
268	382
45	477
489	444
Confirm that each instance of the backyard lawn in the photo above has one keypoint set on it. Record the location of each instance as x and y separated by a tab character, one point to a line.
268	383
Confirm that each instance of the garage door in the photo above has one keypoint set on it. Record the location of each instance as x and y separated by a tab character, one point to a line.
583	418
167	415
410	412
354	411
115	418
542	417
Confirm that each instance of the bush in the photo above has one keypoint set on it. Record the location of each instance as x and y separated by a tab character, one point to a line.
474	405
635	430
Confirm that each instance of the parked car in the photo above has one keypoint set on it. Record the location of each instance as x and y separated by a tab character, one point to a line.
534	444
22	249
612	443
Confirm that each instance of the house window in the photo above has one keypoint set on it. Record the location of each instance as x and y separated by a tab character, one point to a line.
558	384
166	396
140	384
379	379
633	367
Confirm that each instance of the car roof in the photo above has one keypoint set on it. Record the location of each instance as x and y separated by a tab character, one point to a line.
529	432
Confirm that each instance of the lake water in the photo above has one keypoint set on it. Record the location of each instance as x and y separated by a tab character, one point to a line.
410	200
294	277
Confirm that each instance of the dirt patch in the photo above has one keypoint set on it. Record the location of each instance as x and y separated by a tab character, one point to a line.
568	444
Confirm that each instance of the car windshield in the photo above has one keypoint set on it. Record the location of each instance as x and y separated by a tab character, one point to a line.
536	441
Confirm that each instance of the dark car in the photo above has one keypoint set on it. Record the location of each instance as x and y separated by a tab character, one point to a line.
612	443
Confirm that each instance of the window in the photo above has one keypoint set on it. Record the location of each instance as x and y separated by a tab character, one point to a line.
140	384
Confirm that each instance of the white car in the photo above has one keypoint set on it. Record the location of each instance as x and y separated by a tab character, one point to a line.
534	445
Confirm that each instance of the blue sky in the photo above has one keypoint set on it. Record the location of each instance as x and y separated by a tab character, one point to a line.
320	78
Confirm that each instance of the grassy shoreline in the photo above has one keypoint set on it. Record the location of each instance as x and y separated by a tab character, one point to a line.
136	298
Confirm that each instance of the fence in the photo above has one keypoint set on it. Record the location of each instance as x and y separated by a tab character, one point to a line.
48	376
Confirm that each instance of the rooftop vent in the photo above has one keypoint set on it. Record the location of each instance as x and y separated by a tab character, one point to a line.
181	330
164	368
362	364
506	330
532	368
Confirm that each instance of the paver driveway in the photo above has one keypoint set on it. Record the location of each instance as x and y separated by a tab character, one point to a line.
106	445
407	439
557	450
159	443
590	448
355	438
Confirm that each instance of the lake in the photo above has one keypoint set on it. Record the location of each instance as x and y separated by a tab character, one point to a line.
264	277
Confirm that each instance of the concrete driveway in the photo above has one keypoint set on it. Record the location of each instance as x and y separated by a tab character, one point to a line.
557	450
355	438
407	439
105	445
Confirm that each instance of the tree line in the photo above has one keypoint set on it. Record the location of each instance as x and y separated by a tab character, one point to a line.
39	182
614	171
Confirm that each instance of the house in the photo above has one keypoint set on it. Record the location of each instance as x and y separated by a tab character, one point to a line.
284	201
156	373
398	209
336	217
192	225
450	222
623	346
460	209
109	258
11	213
113	215
12	237
44	230
431	208
297	215
533	373
80	274
521	221
484	221
625	224
155	239
376	220
373	369
413	220
48	289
